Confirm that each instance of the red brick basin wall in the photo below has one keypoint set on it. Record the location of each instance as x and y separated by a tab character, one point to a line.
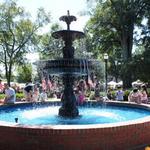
133	135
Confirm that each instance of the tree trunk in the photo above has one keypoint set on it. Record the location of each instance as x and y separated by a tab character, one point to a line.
126	44
8	73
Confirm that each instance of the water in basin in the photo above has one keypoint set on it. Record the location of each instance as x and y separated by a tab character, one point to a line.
48	115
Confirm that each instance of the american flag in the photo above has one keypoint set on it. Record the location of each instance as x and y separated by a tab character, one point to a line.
44	86
49	84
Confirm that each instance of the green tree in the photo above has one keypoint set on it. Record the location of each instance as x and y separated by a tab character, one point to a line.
24	73
112	28
50	48
17	34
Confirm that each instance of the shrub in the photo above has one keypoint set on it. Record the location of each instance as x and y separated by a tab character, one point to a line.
19	95
126	94
2	96
92	96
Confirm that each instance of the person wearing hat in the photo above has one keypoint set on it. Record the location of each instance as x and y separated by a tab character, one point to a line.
135	96
28	92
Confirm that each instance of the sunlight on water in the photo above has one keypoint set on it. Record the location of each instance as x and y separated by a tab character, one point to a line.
107	114
88	115
39	112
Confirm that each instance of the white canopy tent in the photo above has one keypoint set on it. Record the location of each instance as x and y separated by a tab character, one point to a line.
112	84
137	83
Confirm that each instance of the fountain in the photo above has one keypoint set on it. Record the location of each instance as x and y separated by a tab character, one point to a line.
24	125
68	67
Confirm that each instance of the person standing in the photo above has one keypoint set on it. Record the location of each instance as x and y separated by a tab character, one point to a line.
35	96
10	94
28	92
144	94
119	94
97	91
81	89
1	86
43	96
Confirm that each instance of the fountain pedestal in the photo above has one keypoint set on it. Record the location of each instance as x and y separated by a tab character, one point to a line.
68	99
68	108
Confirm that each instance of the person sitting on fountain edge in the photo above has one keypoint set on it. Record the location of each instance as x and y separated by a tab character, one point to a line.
10	93
28	91
119	94
81	89
135	96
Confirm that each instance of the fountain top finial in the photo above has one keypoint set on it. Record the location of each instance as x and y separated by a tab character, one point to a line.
68	19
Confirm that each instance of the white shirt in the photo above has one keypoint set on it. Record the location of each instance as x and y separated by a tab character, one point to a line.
10	93
43	96
119	95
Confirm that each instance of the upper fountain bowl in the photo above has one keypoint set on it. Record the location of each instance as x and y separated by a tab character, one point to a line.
68	34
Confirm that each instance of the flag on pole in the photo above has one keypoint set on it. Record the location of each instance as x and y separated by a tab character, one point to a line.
44	87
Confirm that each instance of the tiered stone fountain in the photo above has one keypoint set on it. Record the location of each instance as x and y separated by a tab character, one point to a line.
68	67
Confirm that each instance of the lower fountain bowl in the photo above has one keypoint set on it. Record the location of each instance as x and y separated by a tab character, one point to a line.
114	136
74	67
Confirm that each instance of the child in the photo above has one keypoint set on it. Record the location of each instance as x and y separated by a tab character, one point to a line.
119	94
43	96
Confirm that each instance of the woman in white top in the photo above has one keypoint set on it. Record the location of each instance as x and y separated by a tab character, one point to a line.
10	93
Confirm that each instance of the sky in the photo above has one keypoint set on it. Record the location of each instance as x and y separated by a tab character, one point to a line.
59	8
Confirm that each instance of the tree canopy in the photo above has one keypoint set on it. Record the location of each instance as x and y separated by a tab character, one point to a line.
17	34
111	29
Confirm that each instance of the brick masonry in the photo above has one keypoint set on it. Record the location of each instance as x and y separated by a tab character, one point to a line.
134	135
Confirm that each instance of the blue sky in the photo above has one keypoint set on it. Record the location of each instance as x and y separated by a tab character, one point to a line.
57	9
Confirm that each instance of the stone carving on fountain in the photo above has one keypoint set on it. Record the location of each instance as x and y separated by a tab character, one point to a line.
67	67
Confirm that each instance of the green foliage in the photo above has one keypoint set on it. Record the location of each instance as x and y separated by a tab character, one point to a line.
139	65
19	96
111	30
24	73
17	34
50	47
148	90
92	95
126	94
113	94
2	96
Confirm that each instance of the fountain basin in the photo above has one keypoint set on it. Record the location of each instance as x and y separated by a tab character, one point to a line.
113	136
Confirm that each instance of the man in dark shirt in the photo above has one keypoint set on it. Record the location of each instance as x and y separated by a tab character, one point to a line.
28	91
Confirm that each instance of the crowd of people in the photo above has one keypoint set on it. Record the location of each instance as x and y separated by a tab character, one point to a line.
35	92
138	94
